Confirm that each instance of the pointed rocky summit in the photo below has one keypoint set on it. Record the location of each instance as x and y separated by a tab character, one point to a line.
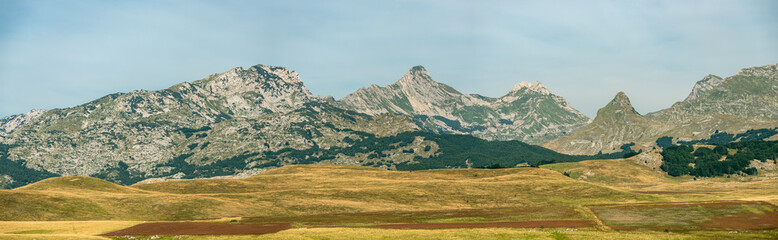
621	100
616	124
416	75
620	105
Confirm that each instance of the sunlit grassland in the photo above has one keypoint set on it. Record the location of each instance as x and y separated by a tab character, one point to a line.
59	229
305	190
350	196
629	176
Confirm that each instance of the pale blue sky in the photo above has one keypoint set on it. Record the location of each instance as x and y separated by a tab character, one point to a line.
57	54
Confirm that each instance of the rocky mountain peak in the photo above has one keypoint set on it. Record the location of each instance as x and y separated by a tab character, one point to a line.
521	85
417	75
283	74
536	86
258	76
616	124
277	88
621	100
619	105
702	86
418	68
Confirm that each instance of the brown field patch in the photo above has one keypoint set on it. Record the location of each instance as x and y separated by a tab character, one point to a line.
723	203
708	215
664	192
521	224
744	221
198	228
429	216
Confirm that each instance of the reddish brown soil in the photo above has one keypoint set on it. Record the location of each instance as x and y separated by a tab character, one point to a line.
206	228
680	204
522	224
661	192
391	217
198	228
744	221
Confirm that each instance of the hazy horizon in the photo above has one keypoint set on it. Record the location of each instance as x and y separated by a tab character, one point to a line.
58	54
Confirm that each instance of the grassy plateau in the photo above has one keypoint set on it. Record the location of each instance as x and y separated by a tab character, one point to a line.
613	199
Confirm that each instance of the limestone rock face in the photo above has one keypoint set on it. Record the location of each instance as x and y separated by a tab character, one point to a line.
9	124
275	89
530	112
704	85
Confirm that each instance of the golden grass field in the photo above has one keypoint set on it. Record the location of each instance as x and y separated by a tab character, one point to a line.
344	198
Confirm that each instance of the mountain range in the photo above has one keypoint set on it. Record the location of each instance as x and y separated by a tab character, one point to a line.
528	112
245	121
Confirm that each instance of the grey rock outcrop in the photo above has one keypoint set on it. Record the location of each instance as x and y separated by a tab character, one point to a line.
9	124
704	85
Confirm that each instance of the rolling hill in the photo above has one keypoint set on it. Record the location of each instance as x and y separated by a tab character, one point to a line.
309	189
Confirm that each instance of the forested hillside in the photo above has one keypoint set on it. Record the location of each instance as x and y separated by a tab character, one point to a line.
731	158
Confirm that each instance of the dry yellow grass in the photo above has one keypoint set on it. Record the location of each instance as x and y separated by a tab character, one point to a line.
629	176
60	229
300	191
305	190
49	237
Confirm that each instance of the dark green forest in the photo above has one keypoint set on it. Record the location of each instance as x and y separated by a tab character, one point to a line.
723	159
456	151
723	138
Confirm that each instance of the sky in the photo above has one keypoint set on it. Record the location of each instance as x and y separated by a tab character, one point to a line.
56	54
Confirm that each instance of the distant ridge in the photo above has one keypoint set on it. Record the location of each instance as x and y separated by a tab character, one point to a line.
748	100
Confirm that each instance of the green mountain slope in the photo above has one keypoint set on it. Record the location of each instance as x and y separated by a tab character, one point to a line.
745	101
